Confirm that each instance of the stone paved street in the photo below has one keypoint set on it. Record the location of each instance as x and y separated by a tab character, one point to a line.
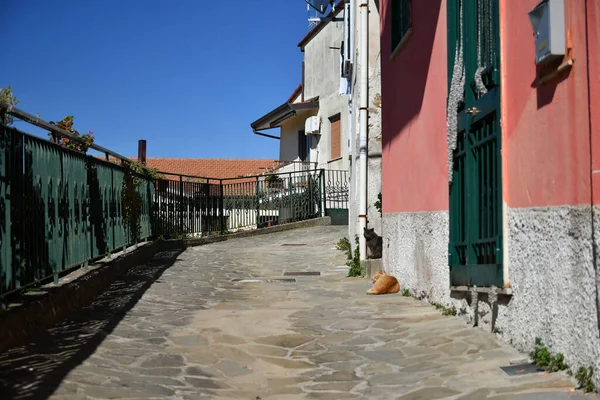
180	328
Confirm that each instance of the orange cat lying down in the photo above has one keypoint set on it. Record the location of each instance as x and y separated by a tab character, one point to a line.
384	284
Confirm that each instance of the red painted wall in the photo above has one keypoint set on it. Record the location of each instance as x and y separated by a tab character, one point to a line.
546	130
593	30
414	89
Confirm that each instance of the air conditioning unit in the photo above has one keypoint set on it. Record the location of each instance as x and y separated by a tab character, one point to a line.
312	126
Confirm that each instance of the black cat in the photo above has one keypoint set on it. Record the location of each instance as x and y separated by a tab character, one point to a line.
374	243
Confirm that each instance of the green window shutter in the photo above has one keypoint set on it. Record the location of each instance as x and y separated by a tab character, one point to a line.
476	209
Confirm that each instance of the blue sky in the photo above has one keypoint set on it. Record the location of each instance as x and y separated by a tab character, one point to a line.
189	76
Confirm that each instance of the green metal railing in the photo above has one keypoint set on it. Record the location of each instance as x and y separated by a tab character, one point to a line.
59	209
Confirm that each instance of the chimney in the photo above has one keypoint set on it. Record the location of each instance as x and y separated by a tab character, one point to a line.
142	151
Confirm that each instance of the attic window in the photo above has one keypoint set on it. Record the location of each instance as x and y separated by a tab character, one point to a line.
401	22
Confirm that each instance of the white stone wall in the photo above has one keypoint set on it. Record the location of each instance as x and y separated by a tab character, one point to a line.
374	135
551	269
415	250
554	283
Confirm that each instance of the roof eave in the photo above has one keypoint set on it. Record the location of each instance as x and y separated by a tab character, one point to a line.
274	118
306	105
266	121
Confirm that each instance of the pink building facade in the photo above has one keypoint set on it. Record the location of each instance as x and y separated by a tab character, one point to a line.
491	168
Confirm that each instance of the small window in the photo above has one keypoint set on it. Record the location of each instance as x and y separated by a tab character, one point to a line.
303	146
336	136
401	21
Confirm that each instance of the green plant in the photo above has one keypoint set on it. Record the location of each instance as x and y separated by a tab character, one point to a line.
449	311
406	293
377	204
540	355
354	264
135	174
585	378
9	100
344	245
557	363
273	178
66	124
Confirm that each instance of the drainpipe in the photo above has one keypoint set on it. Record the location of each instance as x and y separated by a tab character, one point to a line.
351	51
364	119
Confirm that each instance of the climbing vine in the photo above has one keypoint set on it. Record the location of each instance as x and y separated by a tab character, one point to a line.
354	262
377	204
136	173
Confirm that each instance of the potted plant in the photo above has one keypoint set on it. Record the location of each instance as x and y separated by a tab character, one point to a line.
274	181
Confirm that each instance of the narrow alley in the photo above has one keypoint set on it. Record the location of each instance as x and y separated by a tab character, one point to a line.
196	324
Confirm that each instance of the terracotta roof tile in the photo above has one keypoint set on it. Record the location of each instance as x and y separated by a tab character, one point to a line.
211	167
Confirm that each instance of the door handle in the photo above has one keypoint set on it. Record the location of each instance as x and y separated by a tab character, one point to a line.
472	110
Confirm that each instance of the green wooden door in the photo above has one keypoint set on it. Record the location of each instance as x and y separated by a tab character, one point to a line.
475	246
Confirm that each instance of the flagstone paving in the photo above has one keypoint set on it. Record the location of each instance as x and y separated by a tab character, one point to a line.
187	331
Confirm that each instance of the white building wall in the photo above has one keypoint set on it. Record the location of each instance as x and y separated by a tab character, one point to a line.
374	133
322	78
288	147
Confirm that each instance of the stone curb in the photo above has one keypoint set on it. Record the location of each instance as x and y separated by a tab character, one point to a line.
47	305
44	307
370	266
179	243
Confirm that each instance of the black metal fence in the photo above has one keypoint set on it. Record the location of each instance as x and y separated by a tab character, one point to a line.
198	206
337	188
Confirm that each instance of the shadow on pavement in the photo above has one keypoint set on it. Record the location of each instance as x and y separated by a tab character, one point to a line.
36	370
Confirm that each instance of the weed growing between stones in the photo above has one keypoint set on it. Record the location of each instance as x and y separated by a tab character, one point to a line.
354	263
542	357
449	311
584	377
353	260
344	245
540	354
445	310
557	363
